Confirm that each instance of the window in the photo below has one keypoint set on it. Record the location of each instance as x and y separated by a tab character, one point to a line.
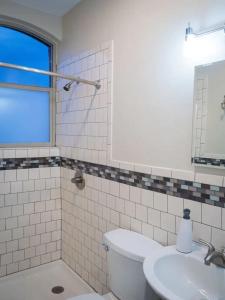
26	98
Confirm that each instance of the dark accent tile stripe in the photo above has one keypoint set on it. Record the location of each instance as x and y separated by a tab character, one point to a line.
27	163
208	161
204	193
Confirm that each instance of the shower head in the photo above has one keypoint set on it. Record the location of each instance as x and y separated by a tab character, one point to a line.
67	86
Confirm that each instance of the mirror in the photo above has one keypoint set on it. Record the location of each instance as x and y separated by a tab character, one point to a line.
209	115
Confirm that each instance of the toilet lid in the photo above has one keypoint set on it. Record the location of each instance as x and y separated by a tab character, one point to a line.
92	296
131	244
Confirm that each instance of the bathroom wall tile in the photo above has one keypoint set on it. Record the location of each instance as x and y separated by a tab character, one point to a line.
147	198
223	218
130	208
22	174
161	172
136	225
21	153
171	239
141	213
135	194
147	230
183	175
125	221
114	188
124	191
9	153
20	225
160	236
211	215
10	175
202	231
218	238
168	222
209	179
160	202
154	217
175	206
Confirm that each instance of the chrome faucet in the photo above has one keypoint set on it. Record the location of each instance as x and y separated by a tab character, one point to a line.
213	256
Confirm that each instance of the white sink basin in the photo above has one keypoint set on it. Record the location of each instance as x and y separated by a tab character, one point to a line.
177	276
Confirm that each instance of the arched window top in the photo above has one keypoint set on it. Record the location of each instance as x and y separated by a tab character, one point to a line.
21	48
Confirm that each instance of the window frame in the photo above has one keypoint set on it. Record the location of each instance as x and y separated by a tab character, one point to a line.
42	36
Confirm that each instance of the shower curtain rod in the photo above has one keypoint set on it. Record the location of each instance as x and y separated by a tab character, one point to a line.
71	78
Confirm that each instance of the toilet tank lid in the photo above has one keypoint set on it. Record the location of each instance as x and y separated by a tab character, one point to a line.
130	244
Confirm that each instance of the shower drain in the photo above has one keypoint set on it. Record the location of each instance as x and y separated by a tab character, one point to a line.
57	289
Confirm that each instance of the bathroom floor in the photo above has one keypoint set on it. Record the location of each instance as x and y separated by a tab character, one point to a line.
36	283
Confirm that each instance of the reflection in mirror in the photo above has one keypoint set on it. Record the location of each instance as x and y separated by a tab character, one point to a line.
209	115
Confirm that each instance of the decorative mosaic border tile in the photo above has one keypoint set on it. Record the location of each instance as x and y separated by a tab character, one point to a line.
26	163
204	193
209	161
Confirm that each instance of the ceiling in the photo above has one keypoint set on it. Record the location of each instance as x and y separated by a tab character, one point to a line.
54	7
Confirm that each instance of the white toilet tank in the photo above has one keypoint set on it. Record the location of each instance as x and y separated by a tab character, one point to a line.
126	253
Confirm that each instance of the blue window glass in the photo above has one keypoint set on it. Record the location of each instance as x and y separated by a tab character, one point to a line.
25	106
24	116
19	48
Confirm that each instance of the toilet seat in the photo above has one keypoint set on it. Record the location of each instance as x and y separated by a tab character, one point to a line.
92	296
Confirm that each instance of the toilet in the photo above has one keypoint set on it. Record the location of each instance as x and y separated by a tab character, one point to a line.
126	251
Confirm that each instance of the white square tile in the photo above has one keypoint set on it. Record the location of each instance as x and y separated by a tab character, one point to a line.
147	230
168	222
209	179
114	188
10	175
125	221
124	191
201	231
22	174
154	217
223	218
136	225
172	238
218	238
130	208
135	194
175	206
160	236
211	215
160	201
147	198
141	213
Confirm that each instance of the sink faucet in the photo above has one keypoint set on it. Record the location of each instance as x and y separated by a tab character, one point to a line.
213	256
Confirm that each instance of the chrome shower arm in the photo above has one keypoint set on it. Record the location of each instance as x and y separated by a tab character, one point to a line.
54	74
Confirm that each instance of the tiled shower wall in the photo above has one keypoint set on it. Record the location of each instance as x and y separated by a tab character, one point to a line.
199	133
30	211
84	133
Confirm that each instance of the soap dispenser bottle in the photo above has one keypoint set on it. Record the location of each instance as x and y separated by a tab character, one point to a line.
184	237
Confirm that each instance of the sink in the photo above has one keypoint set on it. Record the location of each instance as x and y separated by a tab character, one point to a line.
177	276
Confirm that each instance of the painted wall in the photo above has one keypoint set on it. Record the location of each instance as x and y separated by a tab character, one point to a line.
47	22
153	81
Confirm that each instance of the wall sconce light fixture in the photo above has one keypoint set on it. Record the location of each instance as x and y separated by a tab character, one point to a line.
189	32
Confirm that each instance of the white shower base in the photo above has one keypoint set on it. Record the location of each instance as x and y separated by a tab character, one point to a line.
36	283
